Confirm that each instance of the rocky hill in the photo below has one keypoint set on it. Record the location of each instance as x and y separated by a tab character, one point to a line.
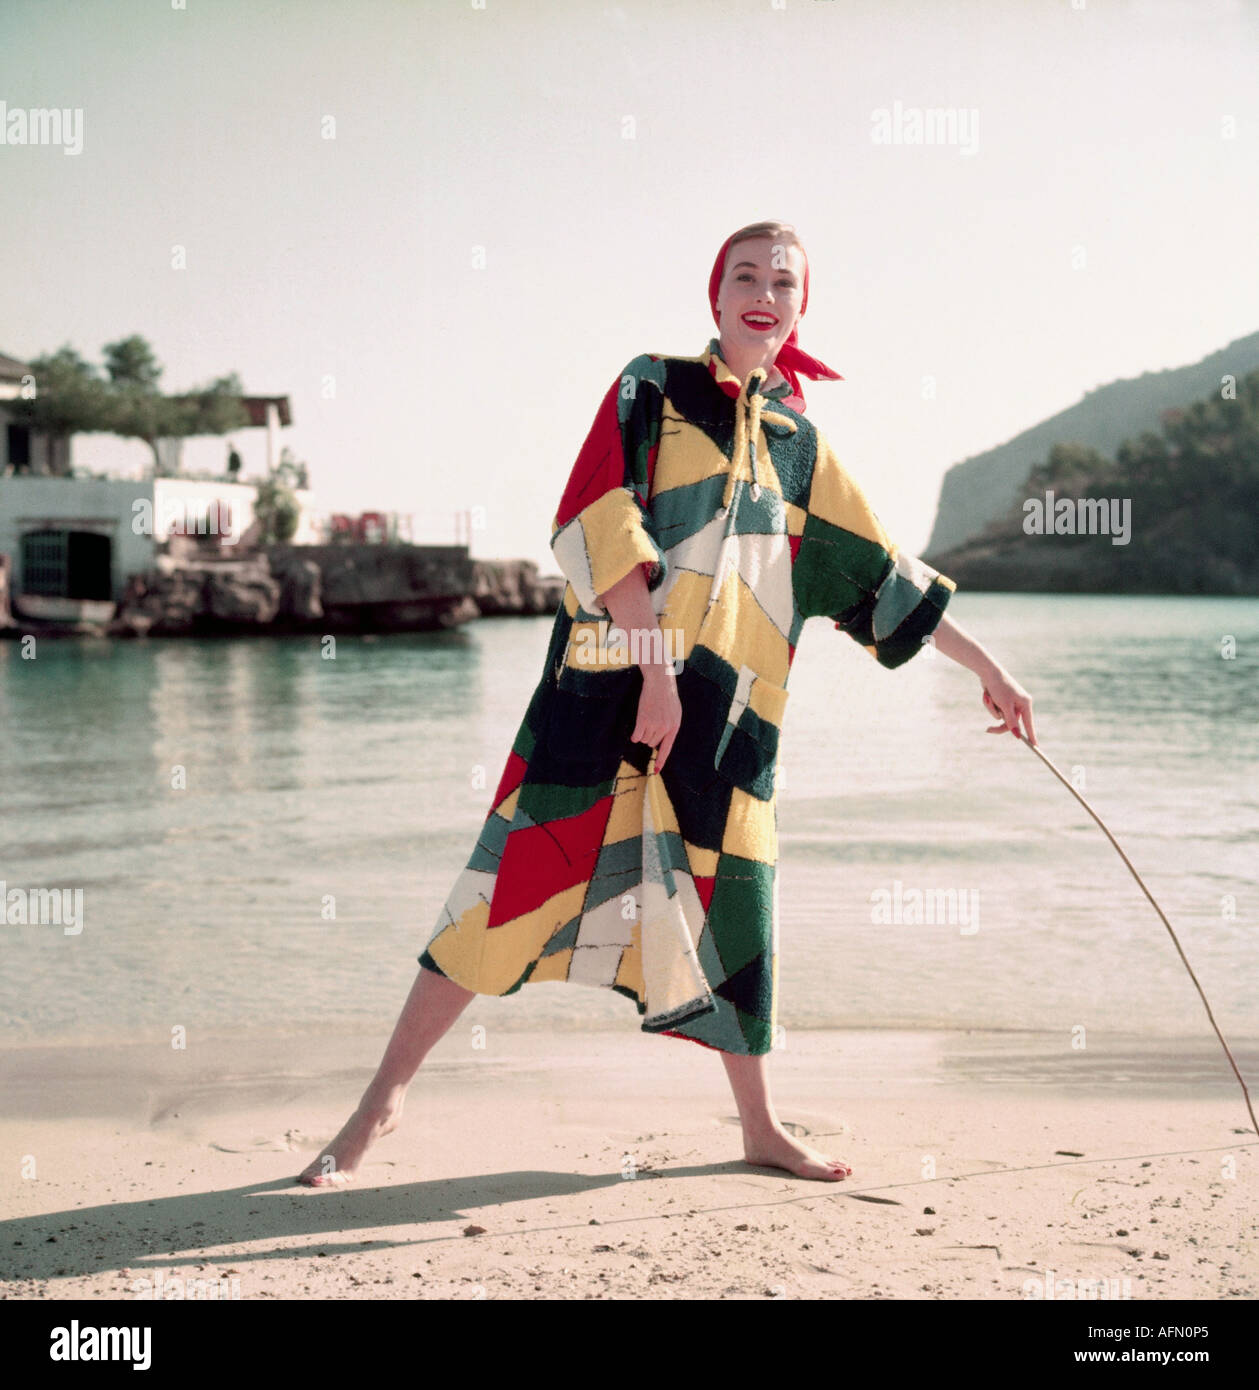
1175	512
980	489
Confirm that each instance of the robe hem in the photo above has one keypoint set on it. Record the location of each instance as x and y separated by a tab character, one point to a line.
683	1014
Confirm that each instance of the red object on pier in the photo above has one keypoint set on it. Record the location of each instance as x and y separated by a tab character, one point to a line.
373	526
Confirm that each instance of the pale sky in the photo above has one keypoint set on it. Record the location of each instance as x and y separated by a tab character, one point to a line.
1096	217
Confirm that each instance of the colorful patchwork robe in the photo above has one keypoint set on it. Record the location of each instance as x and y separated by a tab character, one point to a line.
593	866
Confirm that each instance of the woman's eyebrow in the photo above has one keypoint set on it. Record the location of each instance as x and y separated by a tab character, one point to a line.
751	265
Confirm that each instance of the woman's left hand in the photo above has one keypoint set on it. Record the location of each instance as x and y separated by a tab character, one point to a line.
1005	699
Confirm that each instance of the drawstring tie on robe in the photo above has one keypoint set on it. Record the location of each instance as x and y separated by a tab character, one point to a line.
749	412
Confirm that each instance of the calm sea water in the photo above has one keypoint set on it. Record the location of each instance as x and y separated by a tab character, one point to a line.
362	782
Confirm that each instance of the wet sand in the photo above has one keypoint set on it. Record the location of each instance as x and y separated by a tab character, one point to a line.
608	1165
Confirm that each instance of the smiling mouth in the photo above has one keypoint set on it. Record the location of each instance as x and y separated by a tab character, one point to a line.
761	322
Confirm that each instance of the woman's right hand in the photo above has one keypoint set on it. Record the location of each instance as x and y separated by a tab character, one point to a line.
659	711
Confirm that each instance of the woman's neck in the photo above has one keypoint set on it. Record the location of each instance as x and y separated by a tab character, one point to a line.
741	369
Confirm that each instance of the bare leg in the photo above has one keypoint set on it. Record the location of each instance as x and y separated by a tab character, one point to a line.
765	1142
432	1006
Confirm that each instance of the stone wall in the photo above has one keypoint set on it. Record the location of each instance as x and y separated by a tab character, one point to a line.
514	587
325	588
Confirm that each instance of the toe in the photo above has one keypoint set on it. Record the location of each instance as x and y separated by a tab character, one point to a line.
316	1177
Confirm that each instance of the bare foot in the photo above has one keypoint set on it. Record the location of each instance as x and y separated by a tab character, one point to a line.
338	1163
777	1149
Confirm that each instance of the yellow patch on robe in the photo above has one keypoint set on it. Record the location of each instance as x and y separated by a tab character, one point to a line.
741	631
553	967
836	497
703	862
687	454
630	971
499	954
615	538
683	610
589	647
768	700
751	831
625	822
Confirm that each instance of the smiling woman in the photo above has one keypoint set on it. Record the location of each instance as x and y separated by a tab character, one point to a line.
758	295
632	839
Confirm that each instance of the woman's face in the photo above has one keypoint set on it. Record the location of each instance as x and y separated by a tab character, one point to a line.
760	294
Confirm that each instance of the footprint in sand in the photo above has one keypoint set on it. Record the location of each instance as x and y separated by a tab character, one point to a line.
797	1131
291	1141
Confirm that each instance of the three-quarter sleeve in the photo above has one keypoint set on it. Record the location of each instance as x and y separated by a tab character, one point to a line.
848	570
603	526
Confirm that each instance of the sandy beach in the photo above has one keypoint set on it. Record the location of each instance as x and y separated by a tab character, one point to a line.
608	1165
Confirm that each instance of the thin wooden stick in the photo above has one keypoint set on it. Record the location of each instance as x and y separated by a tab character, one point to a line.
1049	764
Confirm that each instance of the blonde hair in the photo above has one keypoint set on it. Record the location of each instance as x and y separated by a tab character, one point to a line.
780	231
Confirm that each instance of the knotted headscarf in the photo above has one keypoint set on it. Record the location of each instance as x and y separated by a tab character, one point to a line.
792	361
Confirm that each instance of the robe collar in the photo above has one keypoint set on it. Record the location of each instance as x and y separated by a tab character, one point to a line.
748	420
731	384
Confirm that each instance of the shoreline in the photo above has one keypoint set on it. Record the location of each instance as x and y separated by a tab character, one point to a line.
511	1173
909	1057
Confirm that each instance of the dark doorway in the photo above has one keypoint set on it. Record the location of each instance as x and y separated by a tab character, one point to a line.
19	448
67	564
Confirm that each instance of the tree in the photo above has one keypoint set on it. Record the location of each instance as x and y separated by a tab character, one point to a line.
289	471
70	397
275	510
130	363
212	409
1069	465
140	411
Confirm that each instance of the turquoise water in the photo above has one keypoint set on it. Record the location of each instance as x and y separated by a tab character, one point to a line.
362	781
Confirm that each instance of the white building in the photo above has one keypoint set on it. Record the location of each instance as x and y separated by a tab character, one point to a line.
74	541
20	447
81	539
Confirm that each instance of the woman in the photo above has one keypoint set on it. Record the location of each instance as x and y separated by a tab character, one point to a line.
632	843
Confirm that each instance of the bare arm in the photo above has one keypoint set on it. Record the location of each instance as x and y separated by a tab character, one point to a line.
1003	695
958	645
659	708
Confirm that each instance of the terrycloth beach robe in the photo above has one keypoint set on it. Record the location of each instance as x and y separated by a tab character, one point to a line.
594	867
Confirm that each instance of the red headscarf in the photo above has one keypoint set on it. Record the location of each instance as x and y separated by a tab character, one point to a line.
792	361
